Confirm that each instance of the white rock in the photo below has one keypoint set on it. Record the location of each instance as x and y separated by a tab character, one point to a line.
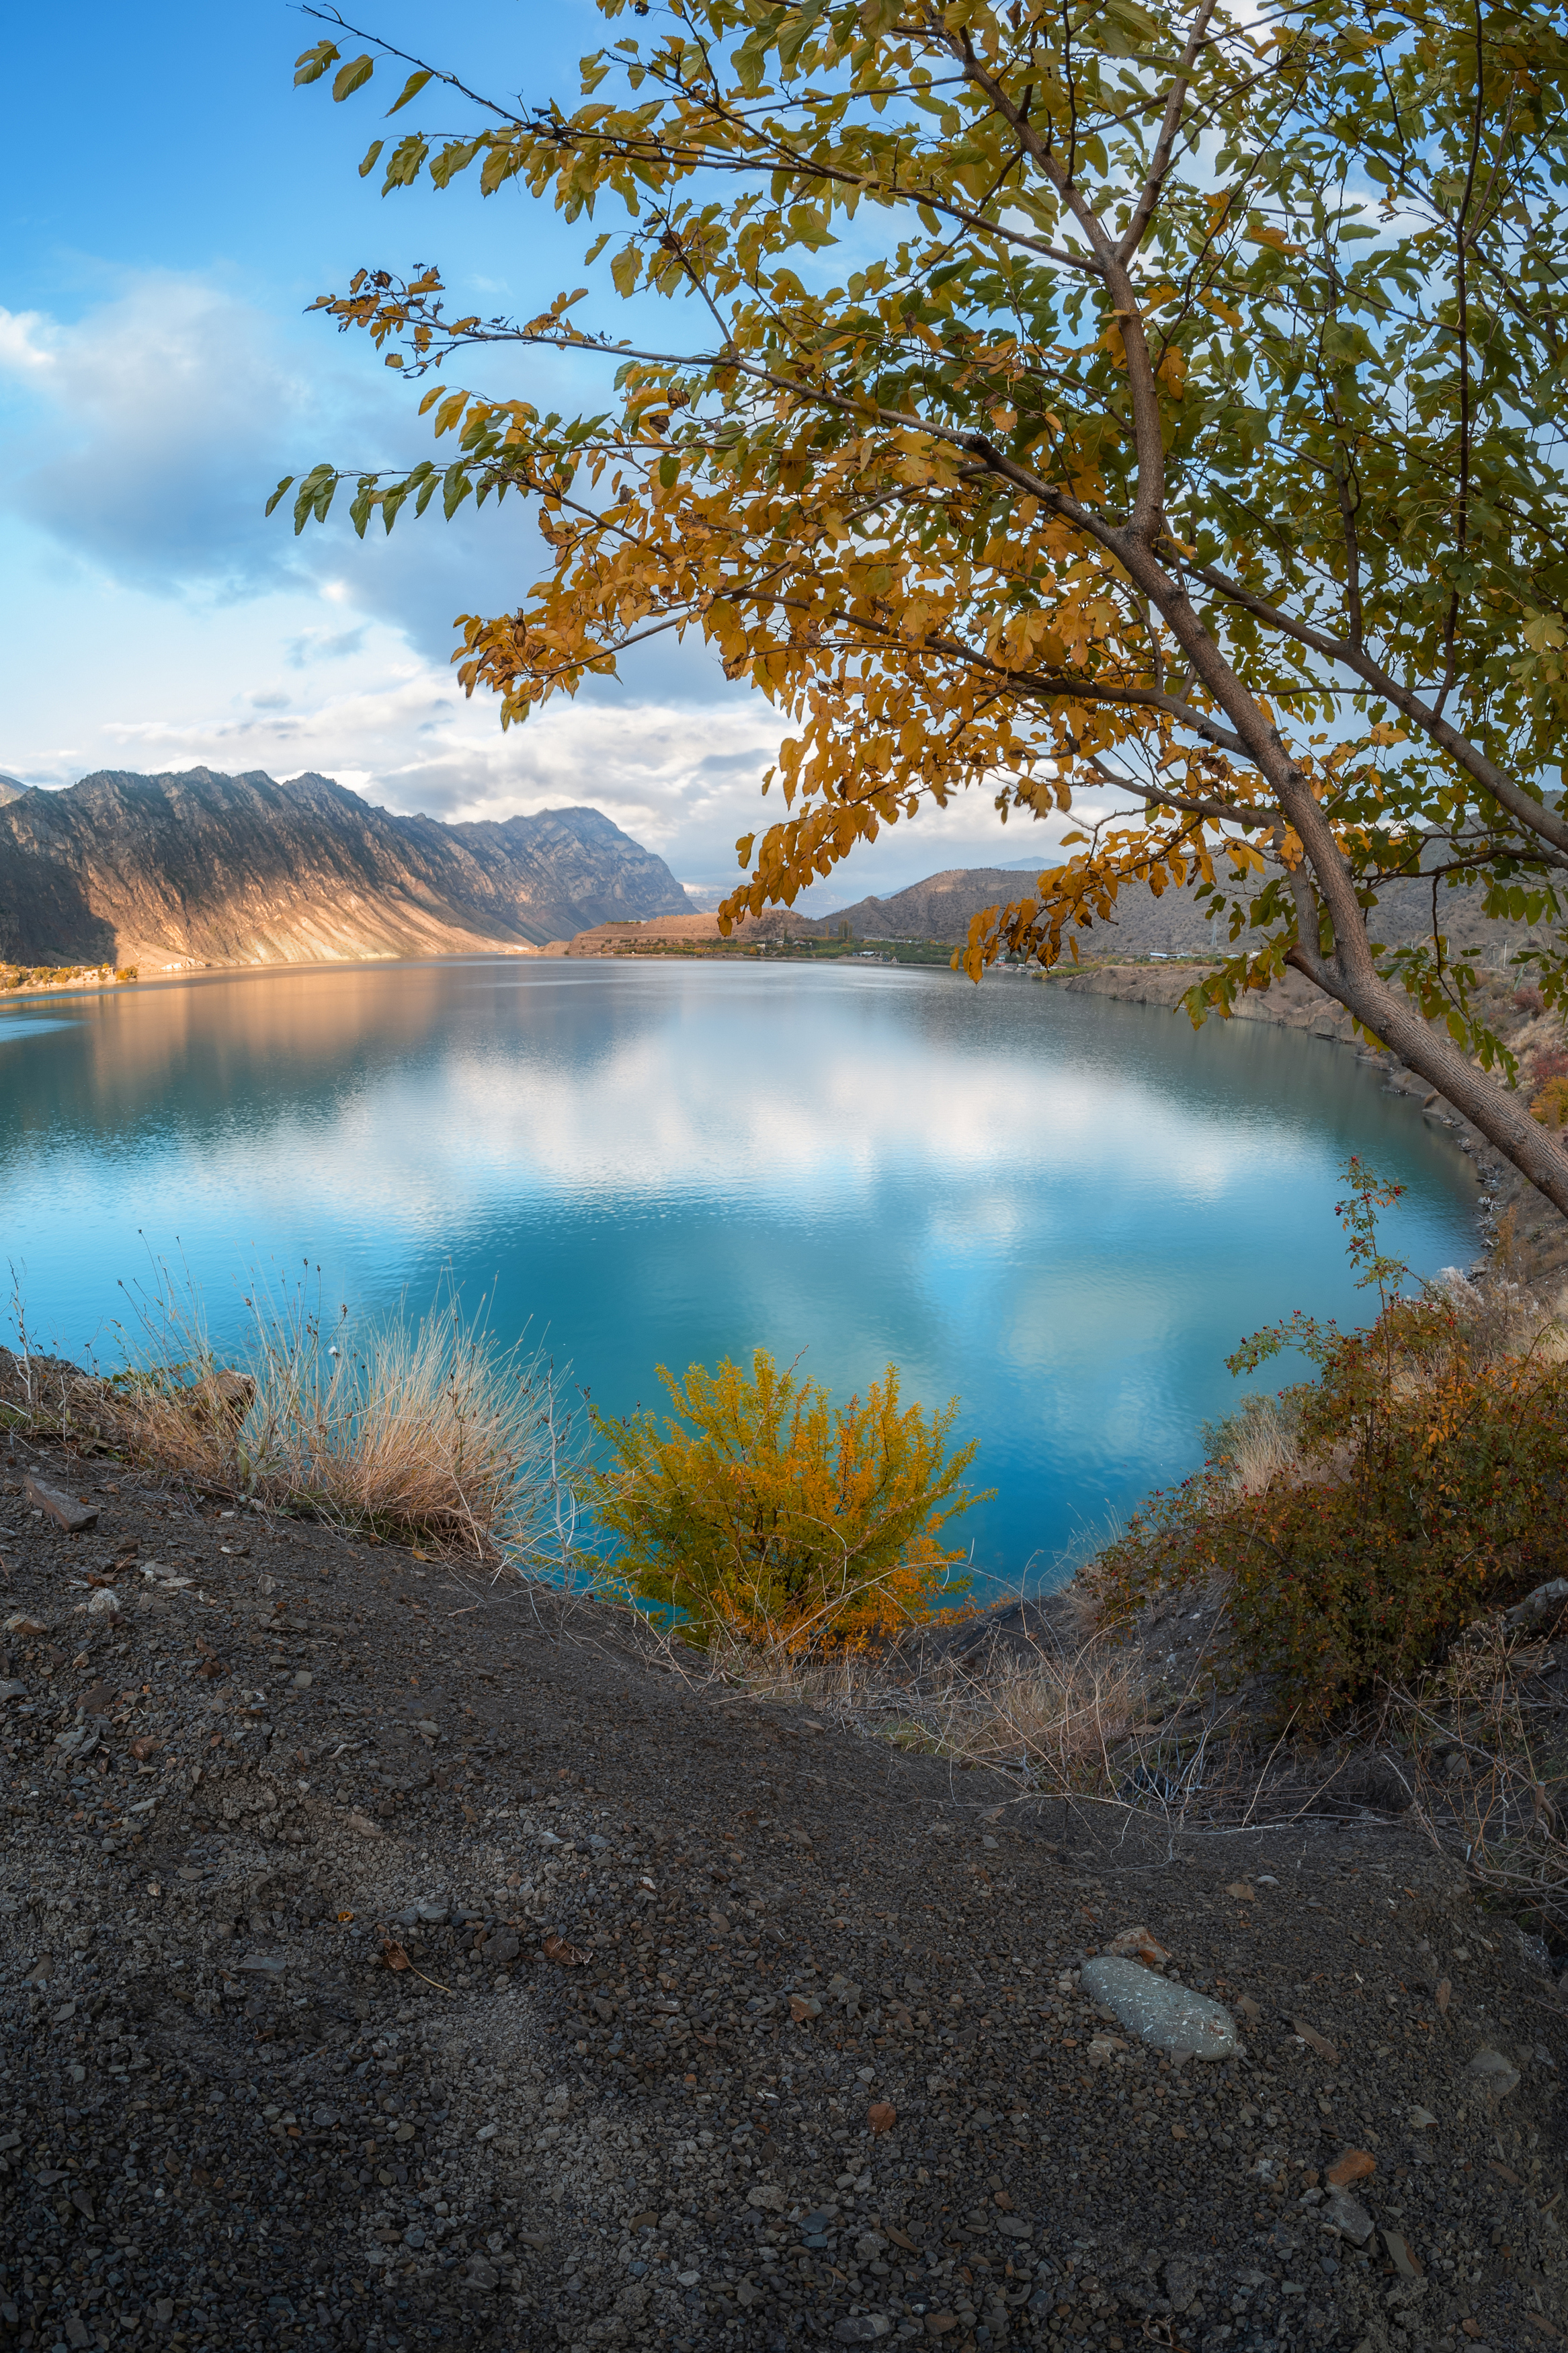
1167	2016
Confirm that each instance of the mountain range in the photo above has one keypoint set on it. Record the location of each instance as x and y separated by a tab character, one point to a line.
940	908
171	870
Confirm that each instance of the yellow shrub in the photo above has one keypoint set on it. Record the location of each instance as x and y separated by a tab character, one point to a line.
777	1516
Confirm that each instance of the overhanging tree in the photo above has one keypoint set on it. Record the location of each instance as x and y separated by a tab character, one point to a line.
1186	428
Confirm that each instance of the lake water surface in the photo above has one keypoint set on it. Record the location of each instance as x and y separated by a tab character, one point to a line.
1064	1210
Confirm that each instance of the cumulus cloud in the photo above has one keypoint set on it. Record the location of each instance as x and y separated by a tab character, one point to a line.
147	434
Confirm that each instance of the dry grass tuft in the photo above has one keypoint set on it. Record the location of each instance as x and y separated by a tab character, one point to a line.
1487	1745
1264	1449
1069	1721
426	1432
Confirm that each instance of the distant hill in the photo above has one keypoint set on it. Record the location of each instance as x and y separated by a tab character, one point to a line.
11	789
940	907
206	869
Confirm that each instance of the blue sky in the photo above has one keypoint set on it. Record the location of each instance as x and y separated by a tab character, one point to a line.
171	205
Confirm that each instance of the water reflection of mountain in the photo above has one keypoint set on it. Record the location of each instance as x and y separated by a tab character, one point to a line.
200	1049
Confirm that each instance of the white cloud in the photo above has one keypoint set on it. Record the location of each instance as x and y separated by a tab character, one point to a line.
24	342
145	436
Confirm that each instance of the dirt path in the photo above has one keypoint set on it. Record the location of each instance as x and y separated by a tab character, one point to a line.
775	2036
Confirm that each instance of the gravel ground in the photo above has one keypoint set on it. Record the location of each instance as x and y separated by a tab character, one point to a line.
718	2028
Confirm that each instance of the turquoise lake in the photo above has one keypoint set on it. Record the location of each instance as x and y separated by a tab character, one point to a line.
1062	1210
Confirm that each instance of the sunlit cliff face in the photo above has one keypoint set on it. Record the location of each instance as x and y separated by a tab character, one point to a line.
1063	1210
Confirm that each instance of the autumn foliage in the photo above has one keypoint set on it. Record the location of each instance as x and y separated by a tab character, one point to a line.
766	1511
1427	1487
1132	411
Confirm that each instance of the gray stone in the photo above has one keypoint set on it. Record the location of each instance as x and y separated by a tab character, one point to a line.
480	2273
1496	2074
1348	2216
1400	2256
1167	2016
13	1691
1541	1608
78	1744
1181	2283
263	1965
862	2328
63	1509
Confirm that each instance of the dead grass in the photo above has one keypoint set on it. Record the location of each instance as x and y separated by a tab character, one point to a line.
424	1430
1069	1721
1485	1741
1264	1450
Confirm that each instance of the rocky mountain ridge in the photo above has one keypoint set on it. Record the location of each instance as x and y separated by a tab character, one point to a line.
169	870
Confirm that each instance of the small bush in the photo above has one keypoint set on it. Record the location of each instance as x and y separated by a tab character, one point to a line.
778	1518
1550	1105
1528	1000
1450	1504
1427	1488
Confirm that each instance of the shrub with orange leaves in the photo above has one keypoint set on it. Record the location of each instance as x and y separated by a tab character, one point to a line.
1427	1487
769	1513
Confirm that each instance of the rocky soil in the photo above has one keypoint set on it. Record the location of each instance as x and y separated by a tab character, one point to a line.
717	2027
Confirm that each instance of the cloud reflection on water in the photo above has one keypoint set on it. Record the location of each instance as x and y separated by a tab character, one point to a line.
1064	1210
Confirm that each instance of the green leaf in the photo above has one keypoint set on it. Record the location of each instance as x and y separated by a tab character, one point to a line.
314	497
626	269
411	89
286	483
353	77
314	62
668	470
371	154
456	488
